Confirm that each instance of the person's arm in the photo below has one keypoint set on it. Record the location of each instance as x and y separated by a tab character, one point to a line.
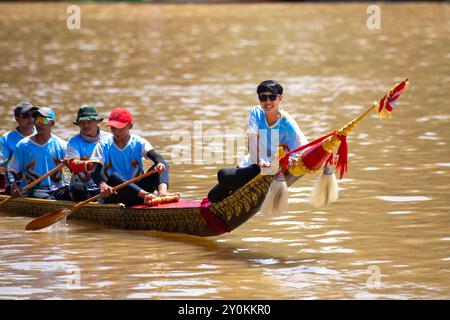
155	156
163	169
160	164
97	160
73	161
77	165
13	172
72	157
150	153
11	177
96	174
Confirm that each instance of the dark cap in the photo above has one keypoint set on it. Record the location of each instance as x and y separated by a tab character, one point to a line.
44	112
87	112
23	108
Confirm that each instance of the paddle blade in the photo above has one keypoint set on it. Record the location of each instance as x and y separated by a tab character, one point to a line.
47	219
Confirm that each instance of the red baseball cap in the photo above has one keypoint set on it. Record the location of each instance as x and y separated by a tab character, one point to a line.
119	118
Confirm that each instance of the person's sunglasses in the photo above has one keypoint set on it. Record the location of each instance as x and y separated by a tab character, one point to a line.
263	97
41	120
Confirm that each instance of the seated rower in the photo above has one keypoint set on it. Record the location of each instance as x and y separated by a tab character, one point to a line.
79	149
38	154
25	128
119	159
269	127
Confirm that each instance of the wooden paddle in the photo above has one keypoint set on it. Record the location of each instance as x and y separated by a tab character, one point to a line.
35	182
53	217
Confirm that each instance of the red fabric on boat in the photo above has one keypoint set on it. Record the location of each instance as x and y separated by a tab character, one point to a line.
215	224
314	157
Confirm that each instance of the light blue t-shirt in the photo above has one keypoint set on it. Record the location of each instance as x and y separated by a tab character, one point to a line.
285	132
34	160
8	144
127	161
79	148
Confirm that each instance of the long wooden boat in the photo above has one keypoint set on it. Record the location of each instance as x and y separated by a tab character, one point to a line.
200	218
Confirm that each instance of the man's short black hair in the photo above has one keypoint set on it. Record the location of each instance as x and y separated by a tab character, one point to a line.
269	86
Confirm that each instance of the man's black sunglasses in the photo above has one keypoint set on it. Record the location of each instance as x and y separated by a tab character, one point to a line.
263	97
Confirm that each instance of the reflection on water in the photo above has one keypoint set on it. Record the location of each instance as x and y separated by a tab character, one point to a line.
172	67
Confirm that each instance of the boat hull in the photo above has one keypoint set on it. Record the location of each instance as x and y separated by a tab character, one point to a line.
195	218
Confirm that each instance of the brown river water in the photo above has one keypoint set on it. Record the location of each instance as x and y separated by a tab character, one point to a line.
183	66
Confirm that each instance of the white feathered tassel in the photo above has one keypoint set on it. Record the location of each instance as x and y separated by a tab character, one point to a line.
326	189
276	201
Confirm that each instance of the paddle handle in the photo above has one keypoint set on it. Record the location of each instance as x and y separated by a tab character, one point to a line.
120	186
35	182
